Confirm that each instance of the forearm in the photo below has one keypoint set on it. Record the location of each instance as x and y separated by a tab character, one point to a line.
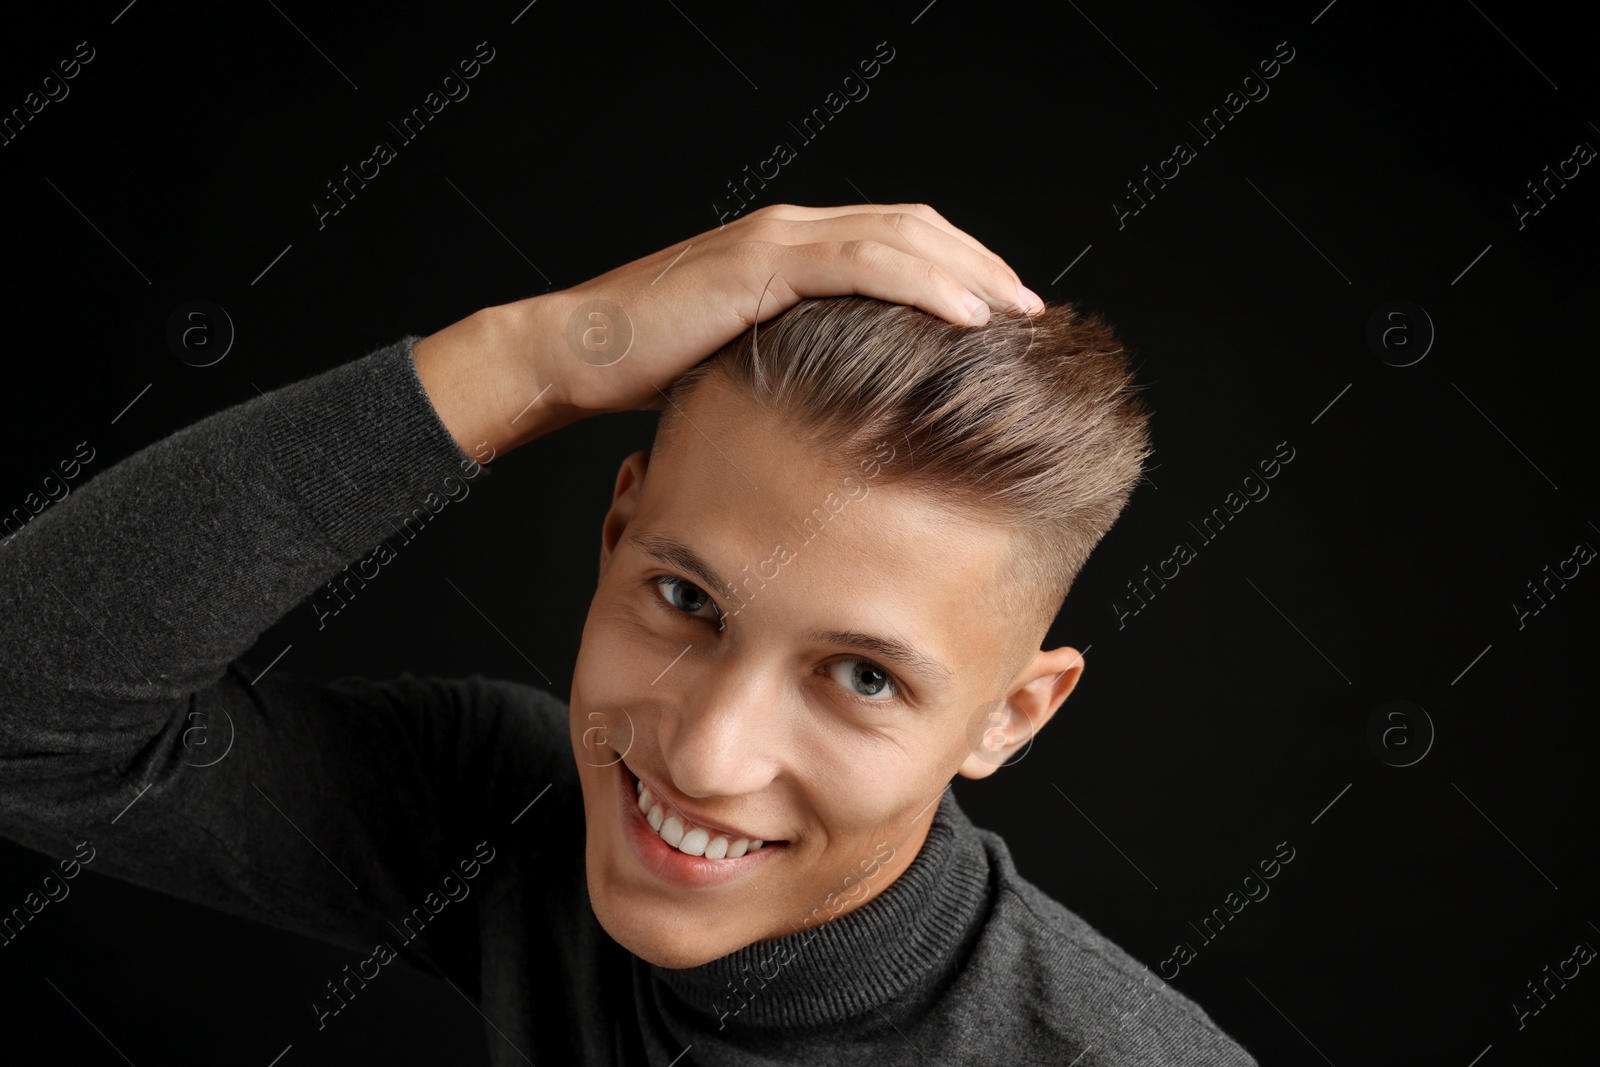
148	580
124	607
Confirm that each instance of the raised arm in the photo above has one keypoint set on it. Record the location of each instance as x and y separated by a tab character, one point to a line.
126	604
615	342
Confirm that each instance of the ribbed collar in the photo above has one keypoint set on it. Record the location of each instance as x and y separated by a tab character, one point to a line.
856	962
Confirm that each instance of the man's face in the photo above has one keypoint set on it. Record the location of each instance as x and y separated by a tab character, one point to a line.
749	712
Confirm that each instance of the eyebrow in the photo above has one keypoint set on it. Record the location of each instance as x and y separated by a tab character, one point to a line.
677	554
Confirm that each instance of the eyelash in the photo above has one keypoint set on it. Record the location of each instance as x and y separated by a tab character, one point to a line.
657	584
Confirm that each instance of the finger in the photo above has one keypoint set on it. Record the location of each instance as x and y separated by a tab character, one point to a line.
875	269
922	211
988	277
791	212
928	215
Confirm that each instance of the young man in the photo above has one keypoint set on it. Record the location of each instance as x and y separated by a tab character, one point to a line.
820	597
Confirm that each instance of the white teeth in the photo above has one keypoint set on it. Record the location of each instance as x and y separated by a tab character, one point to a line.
694	842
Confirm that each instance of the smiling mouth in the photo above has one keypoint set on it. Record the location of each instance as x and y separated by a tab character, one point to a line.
688	837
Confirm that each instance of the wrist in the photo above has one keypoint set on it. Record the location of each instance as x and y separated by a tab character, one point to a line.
488	379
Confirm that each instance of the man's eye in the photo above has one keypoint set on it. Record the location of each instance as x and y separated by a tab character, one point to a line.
685	596
864	680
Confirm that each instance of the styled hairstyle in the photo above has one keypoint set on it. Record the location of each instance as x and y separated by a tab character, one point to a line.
1033	422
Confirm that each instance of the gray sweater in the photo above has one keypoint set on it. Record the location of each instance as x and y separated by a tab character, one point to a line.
439	821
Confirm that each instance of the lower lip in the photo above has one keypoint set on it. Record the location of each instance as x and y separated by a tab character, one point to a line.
666	862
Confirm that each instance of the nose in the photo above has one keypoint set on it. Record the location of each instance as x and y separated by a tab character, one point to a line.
723	731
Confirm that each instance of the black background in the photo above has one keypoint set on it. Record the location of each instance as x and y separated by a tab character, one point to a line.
1229	715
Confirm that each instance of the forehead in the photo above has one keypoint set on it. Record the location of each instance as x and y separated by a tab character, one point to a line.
814	545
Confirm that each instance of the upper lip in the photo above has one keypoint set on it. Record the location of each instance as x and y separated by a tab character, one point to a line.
676	806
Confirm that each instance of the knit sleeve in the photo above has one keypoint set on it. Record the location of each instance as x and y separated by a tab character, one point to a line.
332	809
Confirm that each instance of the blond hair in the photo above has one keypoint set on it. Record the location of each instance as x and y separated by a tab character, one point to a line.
1032	422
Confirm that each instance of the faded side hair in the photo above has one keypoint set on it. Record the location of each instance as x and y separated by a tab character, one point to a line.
1030	422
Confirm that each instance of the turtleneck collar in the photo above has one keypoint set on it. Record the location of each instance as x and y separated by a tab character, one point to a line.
855	962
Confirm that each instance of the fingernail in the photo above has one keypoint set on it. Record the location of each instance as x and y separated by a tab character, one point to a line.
977	310
1031	301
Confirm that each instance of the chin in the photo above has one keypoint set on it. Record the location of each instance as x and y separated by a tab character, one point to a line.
668	926
660	938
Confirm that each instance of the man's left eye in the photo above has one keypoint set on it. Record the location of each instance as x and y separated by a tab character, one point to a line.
863	679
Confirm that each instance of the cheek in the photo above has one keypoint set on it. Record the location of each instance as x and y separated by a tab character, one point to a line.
614	668
617	644
862	786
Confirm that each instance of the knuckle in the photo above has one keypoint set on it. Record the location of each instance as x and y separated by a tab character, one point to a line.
901	219
768	212
862	253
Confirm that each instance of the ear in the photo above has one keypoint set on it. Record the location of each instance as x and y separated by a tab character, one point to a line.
1010	725
624	503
